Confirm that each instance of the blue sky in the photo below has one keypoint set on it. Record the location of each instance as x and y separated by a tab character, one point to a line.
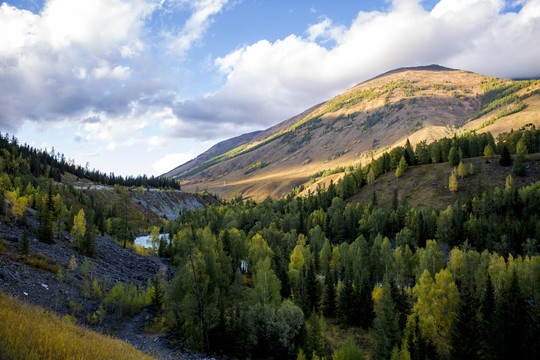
141	86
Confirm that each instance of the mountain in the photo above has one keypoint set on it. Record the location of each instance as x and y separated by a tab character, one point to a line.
420	104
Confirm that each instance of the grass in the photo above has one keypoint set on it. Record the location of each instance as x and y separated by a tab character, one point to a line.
30	332
428	184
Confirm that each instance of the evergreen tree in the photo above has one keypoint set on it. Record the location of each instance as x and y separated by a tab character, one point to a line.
512	322
402	166
408	155
346	300
45	230
453	156
488	331
402	305
519	168
366	307
315	342
506	159
87	245
329	296
157	294
385	325
25	248
489	152
464	335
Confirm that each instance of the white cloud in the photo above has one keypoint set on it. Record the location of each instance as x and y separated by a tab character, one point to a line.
195	27
170	161
268	82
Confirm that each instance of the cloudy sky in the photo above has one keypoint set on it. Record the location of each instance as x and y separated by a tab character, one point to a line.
141	86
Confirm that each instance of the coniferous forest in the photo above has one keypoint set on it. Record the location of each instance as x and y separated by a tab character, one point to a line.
322	276
278	278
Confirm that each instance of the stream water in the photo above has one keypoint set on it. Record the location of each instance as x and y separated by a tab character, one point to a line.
144	240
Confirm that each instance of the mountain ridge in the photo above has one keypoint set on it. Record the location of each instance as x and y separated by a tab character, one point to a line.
420	103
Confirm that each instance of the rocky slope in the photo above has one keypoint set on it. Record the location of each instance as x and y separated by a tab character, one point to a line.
423	103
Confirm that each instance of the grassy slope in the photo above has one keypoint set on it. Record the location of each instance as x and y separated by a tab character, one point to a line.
428	184
29	332
443	101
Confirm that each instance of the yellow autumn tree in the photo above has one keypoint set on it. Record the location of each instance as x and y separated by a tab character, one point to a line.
79	226
452	181
16	203
436	306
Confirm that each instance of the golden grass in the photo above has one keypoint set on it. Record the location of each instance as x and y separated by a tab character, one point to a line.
30	332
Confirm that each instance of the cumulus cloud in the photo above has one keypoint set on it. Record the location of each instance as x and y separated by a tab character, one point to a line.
267	82
69	59
91	62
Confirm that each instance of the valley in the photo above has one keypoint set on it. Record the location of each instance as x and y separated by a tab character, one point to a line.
349	229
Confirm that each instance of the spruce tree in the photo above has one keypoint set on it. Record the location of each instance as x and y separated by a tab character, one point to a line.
464	337
329	296
386	325
488	332
453	156
45	230
346	300
402	304
512	318
519	168
506	159
25	248
366	306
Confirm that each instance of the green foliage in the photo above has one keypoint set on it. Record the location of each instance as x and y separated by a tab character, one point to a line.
506	159
25	247
254	167
350	350
125	299
386	325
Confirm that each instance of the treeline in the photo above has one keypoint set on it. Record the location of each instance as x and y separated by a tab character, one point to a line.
24	159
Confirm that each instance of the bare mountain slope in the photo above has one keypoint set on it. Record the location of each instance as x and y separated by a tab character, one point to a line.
424	103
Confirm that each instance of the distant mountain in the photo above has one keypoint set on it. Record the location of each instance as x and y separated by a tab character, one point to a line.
420	104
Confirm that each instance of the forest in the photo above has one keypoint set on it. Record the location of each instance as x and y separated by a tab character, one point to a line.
281	278
322	277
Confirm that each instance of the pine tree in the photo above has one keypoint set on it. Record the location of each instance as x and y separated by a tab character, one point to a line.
512	322
345	301
506	159
402	305
402	166
87	245
25	248
157	293
464	335
329	296
385	325
363	312
315	342
453	156
519	168
45	230
395	199
488	151
488	331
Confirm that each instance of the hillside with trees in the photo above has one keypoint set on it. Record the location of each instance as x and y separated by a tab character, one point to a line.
332	273
323	275
417	105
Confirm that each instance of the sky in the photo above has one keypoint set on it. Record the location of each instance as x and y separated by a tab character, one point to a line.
141	86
